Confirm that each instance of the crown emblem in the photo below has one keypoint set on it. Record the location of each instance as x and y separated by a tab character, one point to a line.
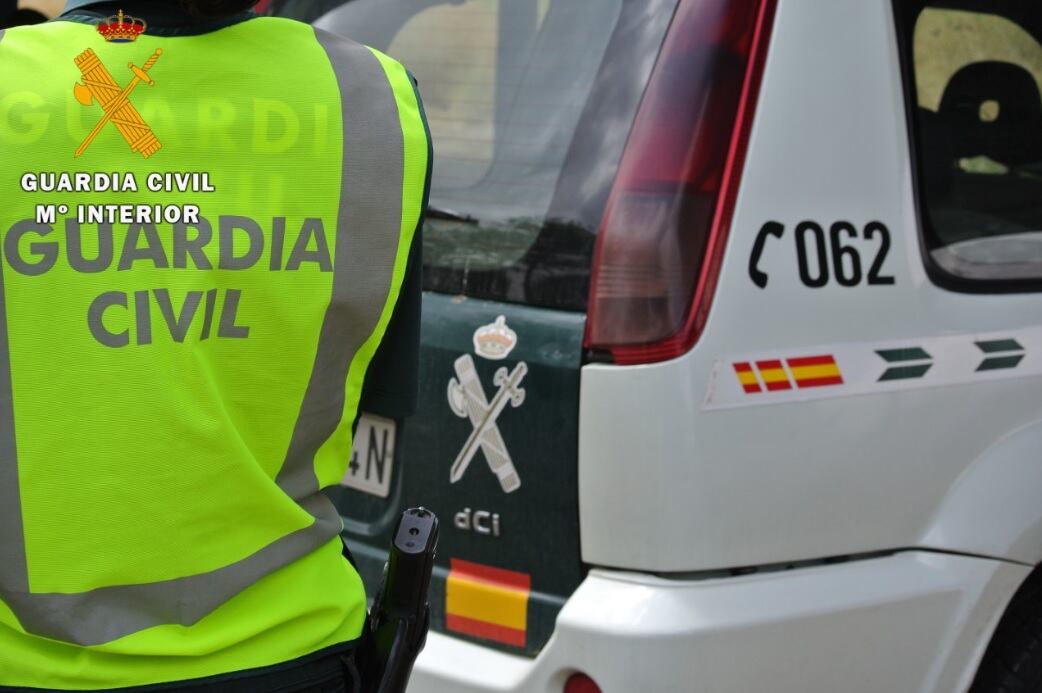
495	341
120	28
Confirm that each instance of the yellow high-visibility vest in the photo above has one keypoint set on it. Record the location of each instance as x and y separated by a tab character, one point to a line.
181	356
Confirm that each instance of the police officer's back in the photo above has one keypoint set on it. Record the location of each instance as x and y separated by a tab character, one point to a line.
182	356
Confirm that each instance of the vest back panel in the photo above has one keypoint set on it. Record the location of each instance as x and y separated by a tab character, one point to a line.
174	393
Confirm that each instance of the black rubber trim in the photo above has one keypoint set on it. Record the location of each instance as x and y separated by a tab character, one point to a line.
738	571
905	12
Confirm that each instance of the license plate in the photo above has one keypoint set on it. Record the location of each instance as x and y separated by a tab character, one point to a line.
372	456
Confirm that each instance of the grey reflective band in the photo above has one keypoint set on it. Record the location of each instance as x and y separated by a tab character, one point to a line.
370	206
14	574
109	613
367	237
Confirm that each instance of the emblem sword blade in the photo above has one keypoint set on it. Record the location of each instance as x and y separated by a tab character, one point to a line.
506	392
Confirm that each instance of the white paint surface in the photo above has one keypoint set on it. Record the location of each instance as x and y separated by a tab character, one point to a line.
908	623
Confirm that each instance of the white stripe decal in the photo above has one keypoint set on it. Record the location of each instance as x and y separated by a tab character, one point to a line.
864	368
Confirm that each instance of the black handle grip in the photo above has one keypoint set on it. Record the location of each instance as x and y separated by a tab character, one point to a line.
400	617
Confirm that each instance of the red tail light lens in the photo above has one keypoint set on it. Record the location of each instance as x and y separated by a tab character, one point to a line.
581	683
664	228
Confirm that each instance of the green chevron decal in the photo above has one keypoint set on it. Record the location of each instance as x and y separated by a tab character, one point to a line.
1000	354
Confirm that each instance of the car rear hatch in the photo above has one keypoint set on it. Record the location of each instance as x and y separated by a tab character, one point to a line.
530	104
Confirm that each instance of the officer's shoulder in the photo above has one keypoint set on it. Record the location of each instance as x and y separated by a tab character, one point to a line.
328	38
288	27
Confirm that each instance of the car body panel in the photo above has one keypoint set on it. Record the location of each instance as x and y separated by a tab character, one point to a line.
912	622
993	508
666	485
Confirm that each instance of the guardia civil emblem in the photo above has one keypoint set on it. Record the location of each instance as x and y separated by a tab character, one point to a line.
467	400
99	86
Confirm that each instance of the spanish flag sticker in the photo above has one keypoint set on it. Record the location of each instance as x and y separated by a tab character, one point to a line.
816	371
747	377
807	371
486	602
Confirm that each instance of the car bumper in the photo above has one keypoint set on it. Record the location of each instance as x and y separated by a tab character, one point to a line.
913	621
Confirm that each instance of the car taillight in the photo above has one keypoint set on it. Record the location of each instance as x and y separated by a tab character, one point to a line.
581	683
665	225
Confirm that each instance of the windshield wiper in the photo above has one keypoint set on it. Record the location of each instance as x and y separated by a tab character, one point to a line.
436	212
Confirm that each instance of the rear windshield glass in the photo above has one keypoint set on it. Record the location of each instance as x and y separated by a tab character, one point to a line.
507	85
977	73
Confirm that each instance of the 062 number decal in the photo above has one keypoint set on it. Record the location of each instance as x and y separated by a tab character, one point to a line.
824	257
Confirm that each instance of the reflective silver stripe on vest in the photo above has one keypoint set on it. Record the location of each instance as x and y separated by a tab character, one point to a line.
365	252
13	572
109	613
367	236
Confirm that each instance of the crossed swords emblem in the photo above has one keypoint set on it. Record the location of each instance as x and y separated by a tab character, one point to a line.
467	400
99	85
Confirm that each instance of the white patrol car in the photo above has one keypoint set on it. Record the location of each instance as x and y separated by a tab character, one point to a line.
731	376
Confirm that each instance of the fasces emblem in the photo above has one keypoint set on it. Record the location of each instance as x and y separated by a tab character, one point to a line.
98	85
467	400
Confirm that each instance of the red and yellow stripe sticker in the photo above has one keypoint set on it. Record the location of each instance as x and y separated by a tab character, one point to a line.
487	602
815	371
784	374
774	376
747	377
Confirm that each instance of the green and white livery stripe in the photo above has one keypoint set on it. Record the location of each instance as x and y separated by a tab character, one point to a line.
869	368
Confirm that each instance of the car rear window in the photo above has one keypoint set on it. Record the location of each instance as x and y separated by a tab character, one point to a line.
510	87
975	73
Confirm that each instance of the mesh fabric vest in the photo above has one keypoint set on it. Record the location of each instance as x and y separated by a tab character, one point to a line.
174	395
